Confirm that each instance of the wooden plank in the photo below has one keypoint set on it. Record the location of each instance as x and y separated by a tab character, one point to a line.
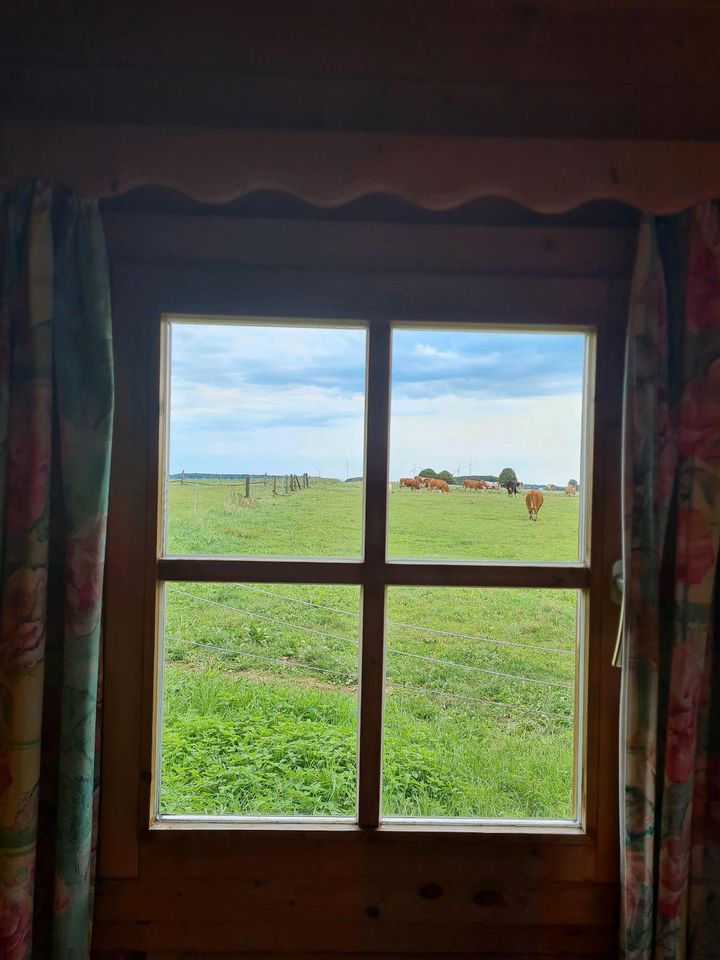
489	250
650	109
227	570
561	576
432	298
410	901
483	856
329	169
372	647
295	917
608	795
395	573
124	578
553	41
155	363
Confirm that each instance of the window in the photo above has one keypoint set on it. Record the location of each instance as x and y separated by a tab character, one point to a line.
309	811
415	651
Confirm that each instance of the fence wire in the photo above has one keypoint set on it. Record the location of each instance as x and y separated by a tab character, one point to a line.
411	687
400	653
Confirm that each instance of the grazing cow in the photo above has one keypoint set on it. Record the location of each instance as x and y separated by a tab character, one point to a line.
549	486
533	502
512	487
434	484
570	490
410	482
474	485
494	485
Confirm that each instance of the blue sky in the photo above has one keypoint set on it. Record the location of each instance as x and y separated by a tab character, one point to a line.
251	398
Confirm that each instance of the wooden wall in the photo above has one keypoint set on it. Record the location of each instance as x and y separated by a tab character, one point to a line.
532	68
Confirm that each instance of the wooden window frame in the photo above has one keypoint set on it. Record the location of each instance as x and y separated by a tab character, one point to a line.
375	571
132	845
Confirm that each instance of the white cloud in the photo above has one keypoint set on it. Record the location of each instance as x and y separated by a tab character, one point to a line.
540	437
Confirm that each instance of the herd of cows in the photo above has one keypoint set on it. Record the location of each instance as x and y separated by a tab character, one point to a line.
533	499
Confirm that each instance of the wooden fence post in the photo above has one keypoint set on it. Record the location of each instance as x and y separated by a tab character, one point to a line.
247	487
274	486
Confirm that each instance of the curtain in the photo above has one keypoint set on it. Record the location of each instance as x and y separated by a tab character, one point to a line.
56	396
670	723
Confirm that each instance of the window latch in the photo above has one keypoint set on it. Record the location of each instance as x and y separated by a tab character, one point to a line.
618	594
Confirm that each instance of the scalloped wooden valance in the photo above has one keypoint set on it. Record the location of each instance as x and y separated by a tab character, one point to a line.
329	169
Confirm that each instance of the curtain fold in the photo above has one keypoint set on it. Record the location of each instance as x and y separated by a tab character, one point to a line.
56	398
670	722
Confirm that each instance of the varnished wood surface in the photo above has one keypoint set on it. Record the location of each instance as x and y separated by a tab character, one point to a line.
610	68
293	893
372	621
333	168
543	250
396	573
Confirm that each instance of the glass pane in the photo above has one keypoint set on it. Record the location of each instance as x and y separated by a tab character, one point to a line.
471	410
266	440
259	700
480	703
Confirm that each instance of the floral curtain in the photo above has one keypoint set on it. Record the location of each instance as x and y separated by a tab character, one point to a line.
56	397
671	650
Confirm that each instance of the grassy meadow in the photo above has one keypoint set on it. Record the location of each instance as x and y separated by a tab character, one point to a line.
260	680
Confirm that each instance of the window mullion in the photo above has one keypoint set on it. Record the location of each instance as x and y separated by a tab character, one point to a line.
372	668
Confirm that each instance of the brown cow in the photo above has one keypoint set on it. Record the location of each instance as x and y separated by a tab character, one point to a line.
533	501
434	484
474	485
570	490
410	482
549	486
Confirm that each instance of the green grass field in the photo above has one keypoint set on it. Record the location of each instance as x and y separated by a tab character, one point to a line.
324	520
260	681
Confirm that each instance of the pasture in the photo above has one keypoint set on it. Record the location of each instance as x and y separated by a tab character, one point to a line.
260	680
324	520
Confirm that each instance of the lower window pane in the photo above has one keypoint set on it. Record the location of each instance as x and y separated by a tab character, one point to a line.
480	705
259	700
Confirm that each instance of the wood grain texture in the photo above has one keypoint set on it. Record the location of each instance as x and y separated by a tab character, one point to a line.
378	247
272	292
125	577
558	41
372	623
495	107
333	168
395	573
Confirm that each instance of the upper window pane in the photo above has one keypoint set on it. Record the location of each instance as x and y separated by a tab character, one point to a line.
471	410
265	441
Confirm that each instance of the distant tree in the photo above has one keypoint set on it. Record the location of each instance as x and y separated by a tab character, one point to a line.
427	472
446	476
573	483
507	473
